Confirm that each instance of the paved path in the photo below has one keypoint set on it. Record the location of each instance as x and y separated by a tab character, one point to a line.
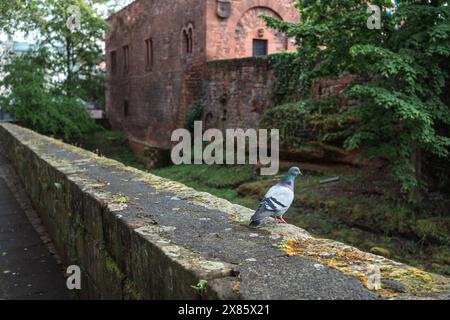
27	269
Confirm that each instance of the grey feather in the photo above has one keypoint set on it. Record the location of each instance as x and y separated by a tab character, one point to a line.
261	213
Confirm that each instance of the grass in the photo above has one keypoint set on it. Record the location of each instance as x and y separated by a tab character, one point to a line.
363	209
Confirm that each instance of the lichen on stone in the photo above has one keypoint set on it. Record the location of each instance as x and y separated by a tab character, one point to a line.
351	261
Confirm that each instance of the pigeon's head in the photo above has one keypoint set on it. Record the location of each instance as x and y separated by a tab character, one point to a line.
294	172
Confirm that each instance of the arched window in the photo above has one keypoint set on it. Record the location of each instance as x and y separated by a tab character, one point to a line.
188	39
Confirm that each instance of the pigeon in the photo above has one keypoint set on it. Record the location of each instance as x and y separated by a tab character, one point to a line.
277	200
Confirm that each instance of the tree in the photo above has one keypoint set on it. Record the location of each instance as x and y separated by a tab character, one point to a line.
71	34
400	72
38	104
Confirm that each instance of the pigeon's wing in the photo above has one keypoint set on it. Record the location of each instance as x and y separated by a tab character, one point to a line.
276	202
281	197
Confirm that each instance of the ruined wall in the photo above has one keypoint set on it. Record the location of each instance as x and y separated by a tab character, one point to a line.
236	92
156	96
233	24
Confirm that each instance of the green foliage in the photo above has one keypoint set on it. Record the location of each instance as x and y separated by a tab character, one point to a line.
200	287
195	113
47	88
400	75
34	103
288	70
292	119
215	176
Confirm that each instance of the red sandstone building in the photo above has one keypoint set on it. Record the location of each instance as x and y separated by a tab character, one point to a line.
162	55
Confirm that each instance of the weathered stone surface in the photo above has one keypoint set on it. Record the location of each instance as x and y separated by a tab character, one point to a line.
118	223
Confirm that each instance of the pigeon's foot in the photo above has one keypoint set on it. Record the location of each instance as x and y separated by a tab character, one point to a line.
279	220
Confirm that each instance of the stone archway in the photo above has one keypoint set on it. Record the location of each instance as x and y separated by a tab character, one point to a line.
250	27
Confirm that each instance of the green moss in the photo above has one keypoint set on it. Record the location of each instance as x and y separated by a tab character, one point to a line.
121	199
132	291
113	268
362	209
381	252
217	180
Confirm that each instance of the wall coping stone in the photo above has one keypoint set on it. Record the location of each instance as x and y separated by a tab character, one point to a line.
159	236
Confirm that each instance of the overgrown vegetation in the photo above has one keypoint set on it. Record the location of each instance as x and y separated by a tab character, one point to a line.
394	105
194	113
289	77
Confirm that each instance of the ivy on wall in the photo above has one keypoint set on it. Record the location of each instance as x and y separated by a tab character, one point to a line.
288	70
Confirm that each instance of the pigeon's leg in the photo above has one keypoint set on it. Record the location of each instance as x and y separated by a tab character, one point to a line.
283	221
277	220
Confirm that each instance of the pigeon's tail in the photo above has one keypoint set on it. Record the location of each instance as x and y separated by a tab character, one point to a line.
259	215
255	223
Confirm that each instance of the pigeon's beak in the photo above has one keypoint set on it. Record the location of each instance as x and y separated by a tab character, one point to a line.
300	173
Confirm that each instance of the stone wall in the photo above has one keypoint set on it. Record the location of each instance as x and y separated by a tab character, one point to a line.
236	92
139	236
